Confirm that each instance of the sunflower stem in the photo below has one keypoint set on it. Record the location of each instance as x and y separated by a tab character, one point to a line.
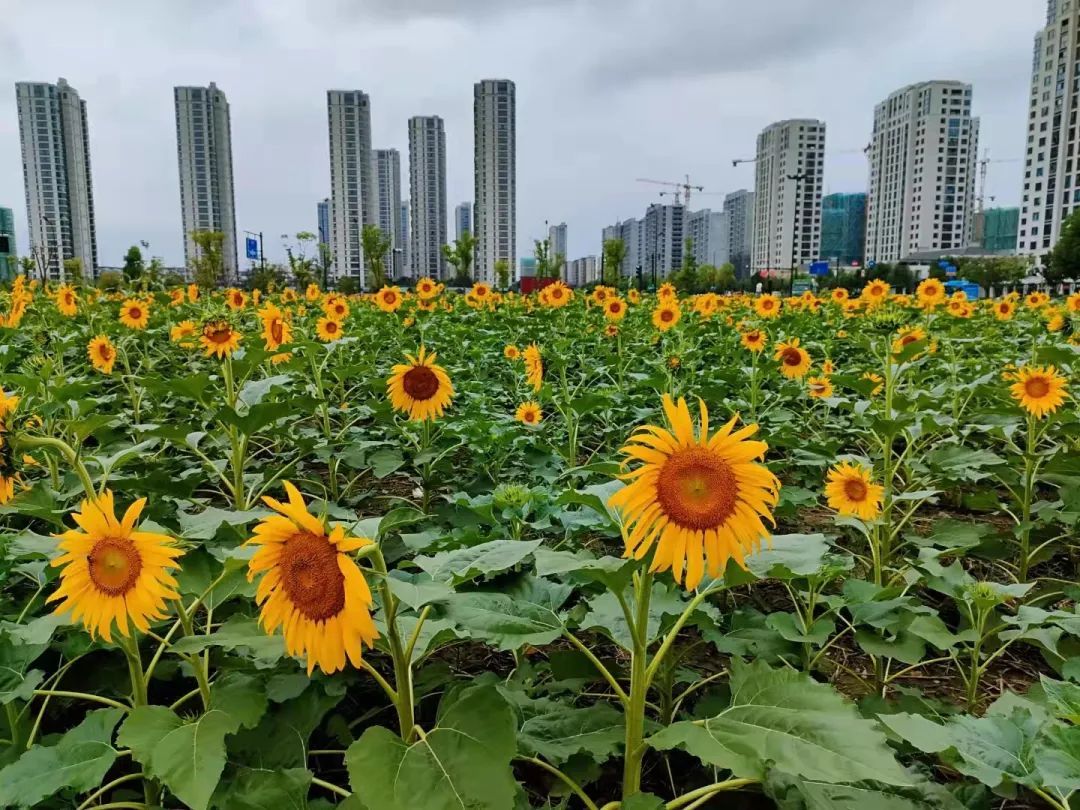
23	442
639	688
237	441
1028	497
403	686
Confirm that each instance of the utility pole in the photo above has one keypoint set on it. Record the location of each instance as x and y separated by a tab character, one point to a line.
798	178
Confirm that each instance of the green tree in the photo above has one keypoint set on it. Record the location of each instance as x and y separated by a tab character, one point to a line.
686	279
614	256
133	264
502	273
209	261
27	265
1064	260
993	271
460	257
347	285
110	280
73	271
376	245
302	267
726	276
548	265
266	278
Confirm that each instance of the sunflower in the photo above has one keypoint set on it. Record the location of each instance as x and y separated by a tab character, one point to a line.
112	571
876	292
794	360
312	292
1072	303
767	306
426	306
1055	319
558	295
851	491
633	296
219	339
827	367
1039	390
534	366
877	380
288	295
420	388
8	404
310	586
336	307
134	314
666	314
754	340
906	336
529	413
1036	300
700	500
329	330
601	294
176	297
235	299
102	354
276	330
839	295
667	292
184	329
66	300
611	330
256	295
614	309
930	292
959	308
388	299
481	291
426	289
819	387
192	293
1004	309
511	352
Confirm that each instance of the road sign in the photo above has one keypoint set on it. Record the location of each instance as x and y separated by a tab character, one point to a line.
819	268
801	285
252	245
871	264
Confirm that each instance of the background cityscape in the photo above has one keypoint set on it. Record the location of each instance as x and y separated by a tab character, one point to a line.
936	179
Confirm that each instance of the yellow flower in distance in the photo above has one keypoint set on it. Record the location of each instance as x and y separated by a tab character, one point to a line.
767	306
134	314
114	572
276	330
219	339
102	354
614	309
557	295
906	336
851	491
819	387
876	292
329	330
699	499
1004	309
235	299
66	300
426	289
754	340
529	413
420	388
794	360
666	314
1039	390
336	307
8	404
534	366
930	292
388	299
511	352
184	329
310	586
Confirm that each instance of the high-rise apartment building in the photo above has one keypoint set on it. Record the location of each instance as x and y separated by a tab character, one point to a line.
923	153
324	221
495	166
403	238
9	257
388	199
427	194
204	150
843	228
557	240
582	272
463	219
739	207
54	135
709	235
787	195
663	238
353	192
1052	162
631	233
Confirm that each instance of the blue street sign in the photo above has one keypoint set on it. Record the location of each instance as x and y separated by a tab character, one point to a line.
819	268
871	264
252	245
950	270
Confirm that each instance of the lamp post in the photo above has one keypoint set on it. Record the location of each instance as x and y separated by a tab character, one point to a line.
798	178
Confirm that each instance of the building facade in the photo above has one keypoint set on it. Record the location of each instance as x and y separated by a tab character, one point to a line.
1001	229
387	171
495	175
787	195
427	195
204	151
557	240
739	207
662	234
323	214
709	235
923	154
353	192
55	140
9	256
582	272
403	238
463	219
1051	186
843	228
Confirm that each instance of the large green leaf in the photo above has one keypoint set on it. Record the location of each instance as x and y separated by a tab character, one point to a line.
558	734
502	621
261	789
792	793
468	563
238	633
79	761
784	717
607	615
461	764
1057	757
791	556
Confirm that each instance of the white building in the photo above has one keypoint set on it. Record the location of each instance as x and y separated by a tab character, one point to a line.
1051	187
709	232
631	233
582	272
387	172
739	207
55	141
403	238
557	240
495	166
353	190
787	211
662	238
427	194
204	148
463	219
922	171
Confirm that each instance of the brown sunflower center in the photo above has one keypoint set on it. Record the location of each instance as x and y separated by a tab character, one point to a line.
135	313
791	357
114	564
614	308
855	490
218	333
311	577
908	339
667	316
1037	387
697	489
420	383
277	331
389	298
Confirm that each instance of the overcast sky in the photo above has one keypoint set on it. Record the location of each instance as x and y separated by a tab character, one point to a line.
607	91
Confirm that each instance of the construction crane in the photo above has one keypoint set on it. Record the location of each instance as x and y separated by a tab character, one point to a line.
984	169
685	188
864	150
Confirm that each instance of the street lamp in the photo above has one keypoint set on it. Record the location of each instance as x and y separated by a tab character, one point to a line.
798	178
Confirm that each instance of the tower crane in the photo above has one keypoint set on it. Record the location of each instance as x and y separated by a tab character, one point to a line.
685	188
864	150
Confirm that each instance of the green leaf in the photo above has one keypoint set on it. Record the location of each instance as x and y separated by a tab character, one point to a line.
643	801
16	683
791	556
1057	756
461	764
604	569
386	461
785	718
790	630
468	563
606	614
281	738
905	647
204	525
502	621
79	761
793	793
417	590
241	696
259	789
562	732
253	391
187	756
930	627
238	633
1063	698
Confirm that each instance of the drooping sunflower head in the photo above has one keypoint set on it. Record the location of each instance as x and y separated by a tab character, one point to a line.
1072	303
511	352
614	309
819	387
827	367
851	491
219	339
877	380
176	297
276	328
193	292
236	299
1055	319
529	413
906	336
1039	389
794	360
754	340
182	331
134	314
767	306
420	387
534	366
329	330
310	586
102	354
114	572
666	314
700	499
312	292
633	296
388	299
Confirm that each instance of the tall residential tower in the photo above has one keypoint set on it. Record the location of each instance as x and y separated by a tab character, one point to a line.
495	166
388	200
463	222
739	207
353	192
427	194
55	142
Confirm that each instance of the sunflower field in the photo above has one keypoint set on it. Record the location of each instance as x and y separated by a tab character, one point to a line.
419	550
